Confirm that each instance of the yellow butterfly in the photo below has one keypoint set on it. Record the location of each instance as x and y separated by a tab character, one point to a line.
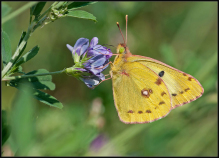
146	89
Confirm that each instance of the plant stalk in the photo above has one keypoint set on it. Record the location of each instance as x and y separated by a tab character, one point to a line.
28	76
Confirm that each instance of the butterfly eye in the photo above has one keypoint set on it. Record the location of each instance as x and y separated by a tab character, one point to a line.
121	50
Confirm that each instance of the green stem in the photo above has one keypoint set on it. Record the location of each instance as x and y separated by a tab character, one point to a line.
18	11
26	76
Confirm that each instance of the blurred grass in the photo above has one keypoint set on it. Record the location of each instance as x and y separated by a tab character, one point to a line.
181	34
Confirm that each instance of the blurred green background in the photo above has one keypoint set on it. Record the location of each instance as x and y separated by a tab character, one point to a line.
180	34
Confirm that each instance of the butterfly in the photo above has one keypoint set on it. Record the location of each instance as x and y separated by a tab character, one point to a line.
145	89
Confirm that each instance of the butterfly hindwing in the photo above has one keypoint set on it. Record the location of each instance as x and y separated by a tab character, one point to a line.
140	95
183	87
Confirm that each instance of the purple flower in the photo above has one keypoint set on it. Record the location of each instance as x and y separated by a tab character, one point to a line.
80	46
90	60
95	49
98	142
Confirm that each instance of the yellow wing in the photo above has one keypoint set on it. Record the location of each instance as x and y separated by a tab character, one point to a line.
140	95
183	87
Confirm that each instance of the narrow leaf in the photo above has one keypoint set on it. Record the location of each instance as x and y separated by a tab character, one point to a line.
38	82
36	9
81	14
29	55
6	48
47	99
39	95
15	67
19	70
5	9
75	5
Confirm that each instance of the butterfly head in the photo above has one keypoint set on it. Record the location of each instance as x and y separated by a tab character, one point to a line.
121	48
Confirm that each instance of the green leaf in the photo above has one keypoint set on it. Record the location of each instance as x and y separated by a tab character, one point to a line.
5	127
81	14
41	82
29	55
75	5
41	96
38	82
44	98
5	9
6	48
15	66
19	69
36	9
22	120
47	99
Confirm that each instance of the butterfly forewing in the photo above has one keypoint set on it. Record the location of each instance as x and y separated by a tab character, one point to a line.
140	95
183	87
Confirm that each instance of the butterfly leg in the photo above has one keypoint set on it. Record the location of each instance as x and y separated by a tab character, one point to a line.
101	82
104	65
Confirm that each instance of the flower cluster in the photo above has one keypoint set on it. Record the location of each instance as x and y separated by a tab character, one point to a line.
90	61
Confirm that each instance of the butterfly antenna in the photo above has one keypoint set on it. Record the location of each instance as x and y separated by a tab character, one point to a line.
126	17
121	32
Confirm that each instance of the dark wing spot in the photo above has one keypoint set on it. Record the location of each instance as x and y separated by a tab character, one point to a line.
184	74
161	73
150	91
174	94
162	102
148	111
187	89
181	92
190	78
163	93
130	111
140	112
158	82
